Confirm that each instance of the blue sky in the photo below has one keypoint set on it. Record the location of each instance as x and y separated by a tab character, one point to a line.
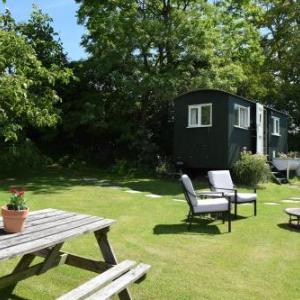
63	13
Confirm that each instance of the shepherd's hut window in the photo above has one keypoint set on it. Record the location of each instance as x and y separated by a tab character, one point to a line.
241	116
276	126
200	115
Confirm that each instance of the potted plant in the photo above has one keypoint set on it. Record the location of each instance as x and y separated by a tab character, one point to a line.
15	212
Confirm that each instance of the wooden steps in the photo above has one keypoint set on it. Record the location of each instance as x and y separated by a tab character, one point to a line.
278	176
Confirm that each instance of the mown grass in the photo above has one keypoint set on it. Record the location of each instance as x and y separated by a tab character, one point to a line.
260	259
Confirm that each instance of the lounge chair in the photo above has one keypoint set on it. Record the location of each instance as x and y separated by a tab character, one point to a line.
220	181
204	206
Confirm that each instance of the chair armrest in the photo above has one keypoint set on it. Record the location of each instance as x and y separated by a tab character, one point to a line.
210	194
222	188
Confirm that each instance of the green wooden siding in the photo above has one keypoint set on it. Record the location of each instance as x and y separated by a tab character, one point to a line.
219	146
201	147
278	143
239	137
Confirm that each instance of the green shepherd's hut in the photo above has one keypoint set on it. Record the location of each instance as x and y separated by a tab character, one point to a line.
212	127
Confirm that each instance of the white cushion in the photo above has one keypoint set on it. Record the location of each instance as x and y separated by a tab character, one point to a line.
242	197
219	180
211	205
188	185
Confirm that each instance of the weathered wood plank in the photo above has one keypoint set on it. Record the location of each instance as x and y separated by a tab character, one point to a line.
105	247
109	256
121	283
28	272
44	230
39	235
81	262
37	225
50	258
93	285
24	263
54	239
87	263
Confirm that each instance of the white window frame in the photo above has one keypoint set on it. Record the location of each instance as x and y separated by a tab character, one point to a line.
199	111
240	107
274	131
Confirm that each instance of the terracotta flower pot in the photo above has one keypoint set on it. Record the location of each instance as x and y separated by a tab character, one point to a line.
14	220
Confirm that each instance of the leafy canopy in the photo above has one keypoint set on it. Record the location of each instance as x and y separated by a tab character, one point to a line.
27	83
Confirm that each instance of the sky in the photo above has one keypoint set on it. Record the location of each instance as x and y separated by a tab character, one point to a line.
63	13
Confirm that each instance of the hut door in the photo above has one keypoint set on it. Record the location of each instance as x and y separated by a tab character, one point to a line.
259	128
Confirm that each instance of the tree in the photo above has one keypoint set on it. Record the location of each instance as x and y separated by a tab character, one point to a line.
144	53
281	43
27	87
39	33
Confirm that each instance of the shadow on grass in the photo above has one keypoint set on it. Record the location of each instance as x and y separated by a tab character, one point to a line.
198	226
9	296
56	180
51	181
286	226
163	187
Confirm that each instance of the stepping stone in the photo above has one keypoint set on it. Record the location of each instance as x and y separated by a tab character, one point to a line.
89	179
295	198
271	203
102	181
289	201
178	200
133	192
74	179
115	187
152	196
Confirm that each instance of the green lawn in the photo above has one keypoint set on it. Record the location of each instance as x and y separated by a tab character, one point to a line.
260	259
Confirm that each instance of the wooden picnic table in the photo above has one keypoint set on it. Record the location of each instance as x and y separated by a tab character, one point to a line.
44	235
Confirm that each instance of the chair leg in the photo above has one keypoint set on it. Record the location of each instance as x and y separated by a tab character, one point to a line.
235	209
190	222
255	208
229	221
189	219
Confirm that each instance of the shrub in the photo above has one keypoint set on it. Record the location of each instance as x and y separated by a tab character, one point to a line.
164	166
22	157
251	169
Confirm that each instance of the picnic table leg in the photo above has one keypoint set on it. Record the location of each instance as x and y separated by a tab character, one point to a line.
109	256
24	262
50	258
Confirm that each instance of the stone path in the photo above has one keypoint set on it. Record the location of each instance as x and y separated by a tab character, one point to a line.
132	192
153	196
290	201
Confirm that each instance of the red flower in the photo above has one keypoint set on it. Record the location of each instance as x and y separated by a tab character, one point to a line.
20	194
13	190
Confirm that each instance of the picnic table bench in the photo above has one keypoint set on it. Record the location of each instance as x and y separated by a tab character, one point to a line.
44	235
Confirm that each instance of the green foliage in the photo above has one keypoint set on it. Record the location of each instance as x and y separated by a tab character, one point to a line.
123	167
27	86
40	34
17	200
281	44
21	157
164	167
251	169
143	53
